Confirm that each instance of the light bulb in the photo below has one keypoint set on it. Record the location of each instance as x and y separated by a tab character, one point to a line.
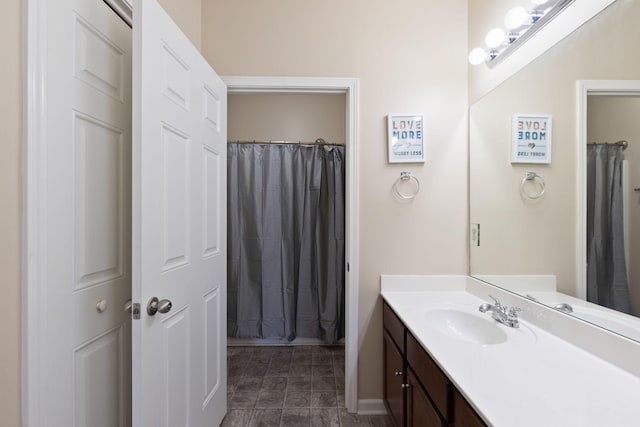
477	56
495	37
516	17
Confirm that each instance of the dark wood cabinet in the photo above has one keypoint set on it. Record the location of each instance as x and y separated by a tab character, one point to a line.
394	379
464	415
420	410
417	392
434	381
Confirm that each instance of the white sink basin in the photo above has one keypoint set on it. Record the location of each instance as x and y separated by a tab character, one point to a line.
479	329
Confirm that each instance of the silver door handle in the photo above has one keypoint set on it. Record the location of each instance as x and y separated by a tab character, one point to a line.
127	306
154	306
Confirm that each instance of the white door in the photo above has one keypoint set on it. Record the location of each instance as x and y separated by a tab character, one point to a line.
178	228
83	356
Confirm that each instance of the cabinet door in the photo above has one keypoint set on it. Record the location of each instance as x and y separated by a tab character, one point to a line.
393	380
464	414
435	382
420	410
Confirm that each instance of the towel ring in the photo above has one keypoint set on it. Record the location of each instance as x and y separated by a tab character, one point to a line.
533	178
404	181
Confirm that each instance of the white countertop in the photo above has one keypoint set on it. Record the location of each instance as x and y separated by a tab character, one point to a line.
532	379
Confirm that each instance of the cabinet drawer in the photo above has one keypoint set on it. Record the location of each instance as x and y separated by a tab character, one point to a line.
394	326
432	378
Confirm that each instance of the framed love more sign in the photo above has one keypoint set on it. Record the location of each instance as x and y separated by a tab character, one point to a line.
405	138
531	138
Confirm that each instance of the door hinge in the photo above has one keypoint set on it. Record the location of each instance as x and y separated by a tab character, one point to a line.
135	311
347	267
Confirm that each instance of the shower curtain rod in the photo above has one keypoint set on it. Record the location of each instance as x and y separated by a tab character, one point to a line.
318	141
622	142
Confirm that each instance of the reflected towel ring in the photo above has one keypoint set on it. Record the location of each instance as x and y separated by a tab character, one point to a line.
533	178
405	178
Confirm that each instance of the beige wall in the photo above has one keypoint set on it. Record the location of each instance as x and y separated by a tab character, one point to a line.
610	119
409	56
519	237
186	13
10	213
289	117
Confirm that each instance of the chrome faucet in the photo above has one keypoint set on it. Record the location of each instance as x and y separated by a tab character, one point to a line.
564	307
506	315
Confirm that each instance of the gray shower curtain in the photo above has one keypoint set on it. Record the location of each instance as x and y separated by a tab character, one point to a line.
286	241
607	283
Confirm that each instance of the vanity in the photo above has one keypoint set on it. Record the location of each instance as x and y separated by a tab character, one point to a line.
448	364
416	391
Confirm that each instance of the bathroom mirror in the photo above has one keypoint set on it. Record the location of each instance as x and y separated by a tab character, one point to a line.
528	244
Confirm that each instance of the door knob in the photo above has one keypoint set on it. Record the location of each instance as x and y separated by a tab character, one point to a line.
101	306
155	305
127	306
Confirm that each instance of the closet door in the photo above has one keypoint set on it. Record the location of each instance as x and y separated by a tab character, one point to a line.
178	228
78	366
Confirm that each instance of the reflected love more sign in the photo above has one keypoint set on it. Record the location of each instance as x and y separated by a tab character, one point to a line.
531	138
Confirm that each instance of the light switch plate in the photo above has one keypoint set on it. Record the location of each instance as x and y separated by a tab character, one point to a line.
474	234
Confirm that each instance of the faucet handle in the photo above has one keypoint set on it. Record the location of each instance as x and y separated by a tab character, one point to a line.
513	312
496	301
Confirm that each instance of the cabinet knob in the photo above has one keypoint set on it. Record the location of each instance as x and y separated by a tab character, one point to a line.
406	385
398	373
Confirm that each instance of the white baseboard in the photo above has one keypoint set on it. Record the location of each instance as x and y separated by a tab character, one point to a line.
371	407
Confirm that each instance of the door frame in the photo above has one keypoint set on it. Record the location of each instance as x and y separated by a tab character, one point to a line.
34	190
348	87
584	89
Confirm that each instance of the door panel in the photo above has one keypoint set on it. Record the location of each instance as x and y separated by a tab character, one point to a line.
100	377
179	227
99	201
176	206
214	341
175	355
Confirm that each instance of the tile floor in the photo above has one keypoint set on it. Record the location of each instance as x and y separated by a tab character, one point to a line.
290	386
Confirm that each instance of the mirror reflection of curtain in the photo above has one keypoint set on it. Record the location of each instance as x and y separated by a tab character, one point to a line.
286	219
607	282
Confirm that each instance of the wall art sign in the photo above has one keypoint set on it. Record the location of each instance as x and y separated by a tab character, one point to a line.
405	138
531	138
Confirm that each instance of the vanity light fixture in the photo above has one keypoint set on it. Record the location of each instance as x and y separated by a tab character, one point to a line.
520	25
495	38
516	17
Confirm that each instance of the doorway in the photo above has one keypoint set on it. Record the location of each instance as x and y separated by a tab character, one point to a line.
606	109
349	88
